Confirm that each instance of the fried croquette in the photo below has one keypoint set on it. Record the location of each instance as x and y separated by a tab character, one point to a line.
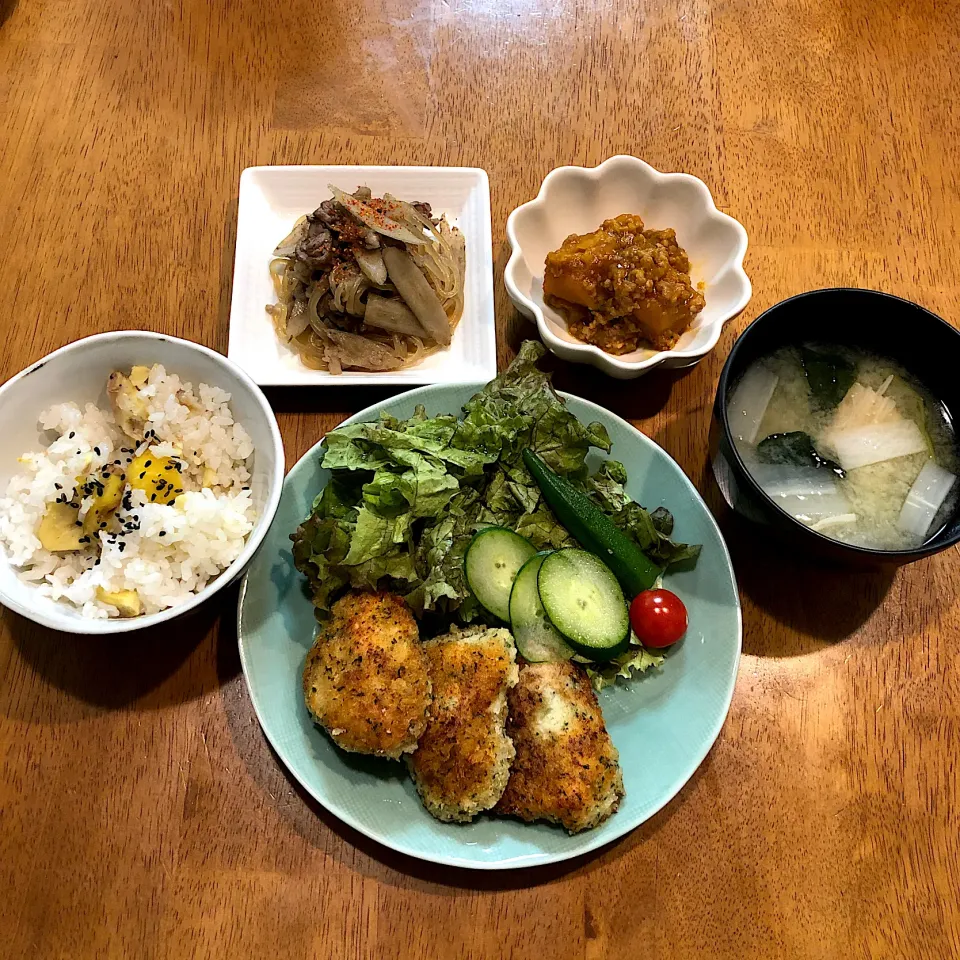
566	769
462	763
365	679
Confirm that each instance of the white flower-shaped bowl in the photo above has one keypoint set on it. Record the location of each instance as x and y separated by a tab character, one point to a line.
578	200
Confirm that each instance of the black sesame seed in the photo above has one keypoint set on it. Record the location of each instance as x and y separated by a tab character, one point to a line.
96	450
77	523
142	475
147	464
153	497
162	533
73	433
121	546
57	485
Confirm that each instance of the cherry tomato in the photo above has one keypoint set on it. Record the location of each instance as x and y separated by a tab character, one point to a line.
658	617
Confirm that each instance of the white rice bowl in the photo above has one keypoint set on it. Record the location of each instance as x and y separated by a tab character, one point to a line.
166	553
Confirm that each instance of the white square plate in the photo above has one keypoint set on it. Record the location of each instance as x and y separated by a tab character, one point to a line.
271	199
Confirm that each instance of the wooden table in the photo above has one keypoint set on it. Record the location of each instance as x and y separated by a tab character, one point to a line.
143	814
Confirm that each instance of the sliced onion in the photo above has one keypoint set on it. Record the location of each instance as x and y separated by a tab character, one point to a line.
288	244
750	401
925	498
417	292
297	319
372	265
374	220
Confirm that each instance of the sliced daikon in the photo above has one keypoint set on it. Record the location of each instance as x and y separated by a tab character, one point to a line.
925	498
876	442
787	479
805	493
750	401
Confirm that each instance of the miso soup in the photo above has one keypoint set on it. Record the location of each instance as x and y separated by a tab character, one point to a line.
848	443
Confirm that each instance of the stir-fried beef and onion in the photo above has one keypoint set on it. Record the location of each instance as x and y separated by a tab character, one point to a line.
368	283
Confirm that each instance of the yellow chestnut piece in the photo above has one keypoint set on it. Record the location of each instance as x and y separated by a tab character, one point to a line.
59	531
104	503
128	602
157	477
139	375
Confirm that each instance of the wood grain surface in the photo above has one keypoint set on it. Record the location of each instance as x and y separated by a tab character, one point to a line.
142	814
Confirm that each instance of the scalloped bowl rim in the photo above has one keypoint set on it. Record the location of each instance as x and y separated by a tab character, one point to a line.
590	353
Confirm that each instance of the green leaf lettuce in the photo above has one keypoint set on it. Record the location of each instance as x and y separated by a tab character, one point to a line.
406	496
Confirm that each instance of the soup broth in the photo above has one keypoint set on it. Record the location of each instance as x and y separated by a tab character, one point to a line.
848	443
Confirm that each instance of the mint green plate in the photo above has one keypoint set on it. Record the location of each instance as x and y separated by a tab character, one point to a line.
663	723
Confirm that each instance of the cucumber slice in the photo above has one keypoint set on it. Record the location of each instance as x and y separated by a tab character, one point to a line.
538	640
593	529
585	603
491	564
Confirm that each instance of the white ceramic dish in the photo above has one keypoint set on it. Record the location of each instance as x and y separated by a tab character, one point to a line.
577	200
79	372
271	200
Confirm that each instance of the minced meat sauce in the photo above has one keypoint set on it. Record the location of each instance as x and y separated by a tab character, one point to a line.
623	287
